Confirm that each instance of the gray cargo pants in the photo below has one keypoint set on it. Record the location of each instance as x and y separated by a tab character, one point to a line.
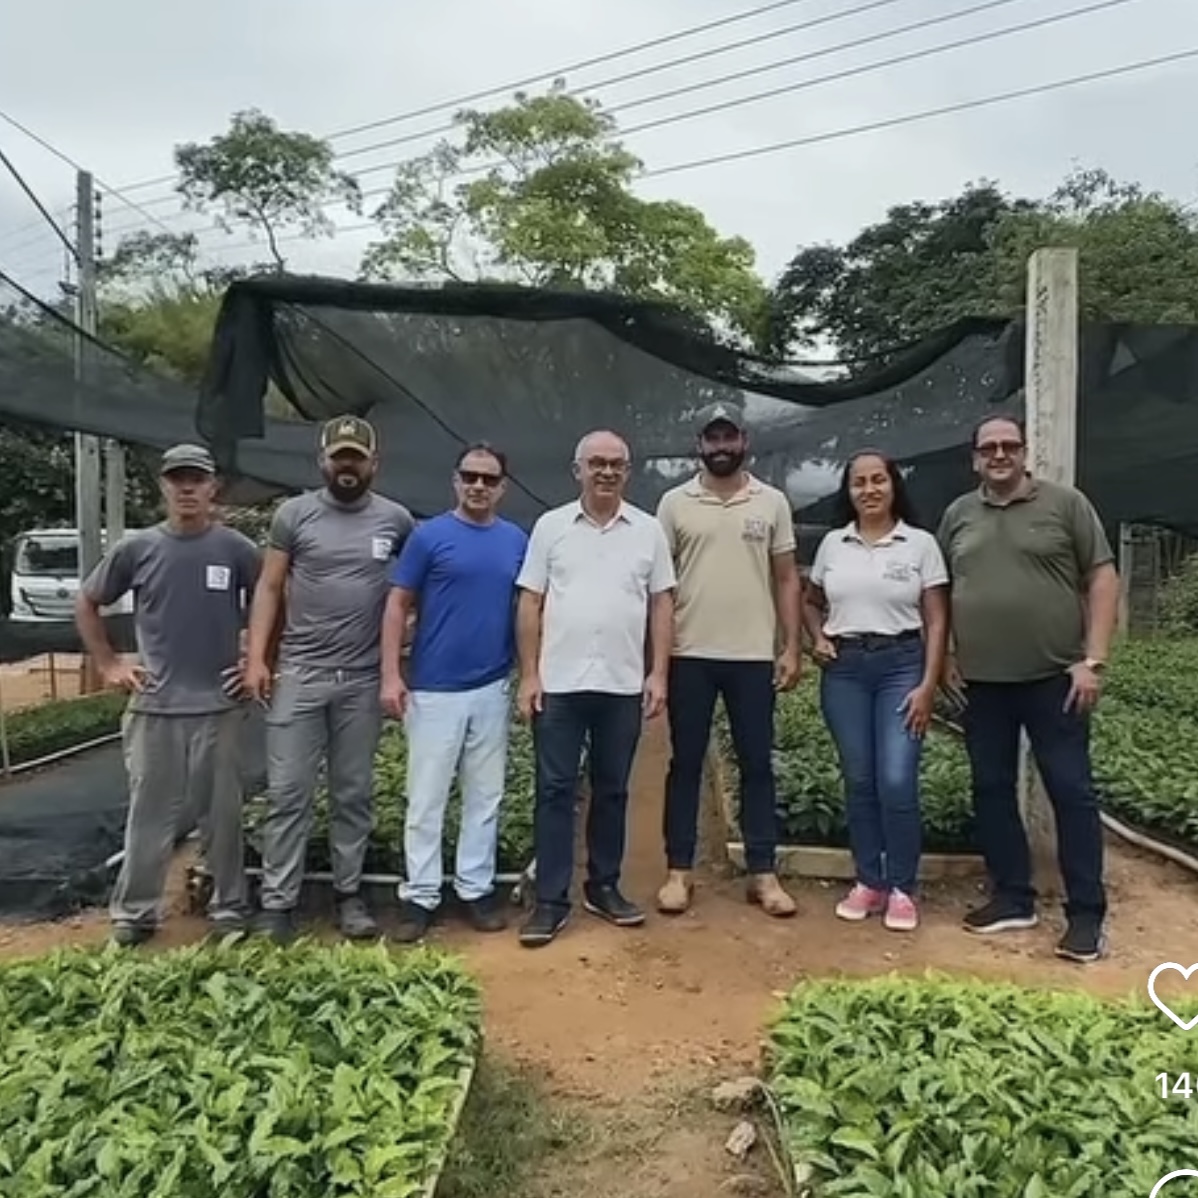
315	713
181	767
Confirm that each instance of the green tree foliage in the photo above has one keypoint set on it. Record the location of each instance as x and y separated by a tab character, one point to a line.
540	192
928	264
265	179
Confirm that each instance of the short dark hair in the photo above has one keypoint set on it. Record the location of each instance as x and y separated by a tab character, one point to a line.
901	507
998	418
488	449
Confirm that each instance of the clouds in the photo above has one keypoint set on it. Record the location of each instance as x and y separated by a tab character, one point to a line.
115	87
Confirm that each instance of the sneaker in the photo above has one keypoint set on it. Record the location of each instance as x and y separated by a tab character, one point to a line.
543	925
1000	915
485	914
278	926
130	935
354	919
608	903
414	922
226	923
674	898
860	903
902	915
1084	939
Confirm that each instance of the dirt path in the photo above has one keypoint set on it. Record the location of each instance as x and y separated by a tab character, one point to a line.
637	1024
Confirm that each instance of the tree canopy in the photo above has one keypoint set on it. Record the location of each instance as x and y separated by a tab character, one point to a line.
928	264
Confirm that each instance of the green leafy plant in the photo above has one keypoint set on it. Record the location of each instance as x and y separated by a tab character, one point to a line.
909	1088
384	852
35	732
231	1071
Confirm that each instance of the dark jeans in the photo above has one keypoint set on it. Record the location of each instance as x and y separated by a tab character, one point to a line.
1060	741
747	688
861	692
612	726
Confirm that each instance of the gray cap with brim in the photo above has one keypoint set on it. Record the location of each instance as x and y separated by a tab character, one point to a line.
187	457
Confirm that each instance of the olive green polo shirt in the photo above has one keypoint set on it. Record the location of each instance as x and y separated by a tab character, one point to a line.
1019	576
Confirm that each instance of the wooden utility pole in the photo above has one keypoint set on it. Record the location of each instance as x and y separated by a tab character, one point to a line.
88	498
1050	408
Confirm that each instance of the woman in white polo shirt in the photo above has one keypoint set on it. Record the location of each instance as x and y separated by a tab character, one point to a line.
877	610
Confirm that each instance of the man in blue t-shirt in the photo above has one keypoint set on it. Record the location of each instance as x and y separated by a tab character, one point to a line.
457	573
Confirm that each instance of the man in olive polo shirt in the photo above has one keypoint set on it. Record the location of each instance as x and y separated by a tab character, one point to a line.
1035	597
736	636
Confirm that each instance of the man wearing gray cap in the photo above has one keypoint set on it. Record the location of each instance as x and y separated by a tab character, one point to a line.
325	581
736	636
191	578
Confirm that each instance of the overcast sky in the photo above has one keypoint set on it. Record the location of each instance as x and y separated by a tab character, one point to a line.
115	86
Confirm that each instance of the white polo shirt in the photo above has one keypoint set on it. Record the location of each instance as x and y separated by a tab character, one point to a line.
596	582
877	588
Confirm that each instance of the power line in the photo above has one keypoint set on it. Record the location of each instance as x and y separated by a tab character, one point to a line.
628	76
927	114
37	203
471	97
868	68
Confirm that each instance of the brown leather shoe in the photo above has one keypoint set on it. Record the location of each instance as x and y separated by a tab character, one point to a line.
675	896
766	891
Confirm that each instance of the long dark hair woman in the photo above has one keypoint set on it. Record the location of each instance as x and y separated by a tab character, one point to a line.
877	611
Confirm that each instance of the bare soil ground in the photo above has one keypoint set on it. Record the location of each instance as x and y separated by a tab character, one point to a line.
38	680
636	1026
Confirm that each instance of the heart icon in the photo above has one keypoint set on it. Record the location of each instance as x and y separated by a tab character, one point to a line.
1160	1185
1184	1024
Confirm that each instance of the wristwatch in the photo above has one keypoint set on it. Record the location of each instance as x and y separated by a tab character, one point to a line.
1094	664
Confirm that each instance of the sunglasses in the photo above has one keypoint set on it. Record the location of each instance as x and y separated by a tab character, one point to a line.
991	449
473	477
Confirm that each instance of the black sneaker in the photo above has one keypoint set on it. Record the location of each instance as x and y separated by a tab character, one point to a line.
278	926
608	903
1084	939
414	923
130	935
226	923
354	920
485	914
542	926
1000	915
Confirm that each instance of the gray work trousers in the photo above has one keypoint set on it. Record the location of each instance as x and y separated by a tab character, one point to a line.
314	714
181	767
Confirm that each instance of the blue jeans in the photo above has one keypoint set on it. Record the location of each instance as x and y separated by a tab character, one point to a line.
1060	741
443	729
612	726
861	692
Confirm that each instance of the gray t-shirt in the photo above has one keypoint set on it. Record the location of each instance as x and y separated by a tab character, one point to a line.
341	555
190	596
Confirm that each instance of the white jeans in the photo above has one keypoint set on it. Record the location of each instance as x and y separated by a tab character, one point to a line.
463	733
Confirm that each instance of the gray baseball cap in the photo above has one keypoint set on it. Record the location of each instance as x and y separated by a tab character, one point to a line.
720	413
187	457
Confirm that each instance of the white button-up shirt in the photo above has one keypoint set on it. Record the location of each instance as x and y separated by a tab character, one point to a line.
596	581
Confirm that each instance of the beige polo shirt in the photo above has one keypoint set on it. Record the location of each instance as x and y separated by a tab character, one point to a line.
723	554
596	580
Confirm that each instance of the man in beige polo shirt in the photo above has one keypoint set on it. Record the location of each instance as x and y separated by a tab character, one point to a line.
736	636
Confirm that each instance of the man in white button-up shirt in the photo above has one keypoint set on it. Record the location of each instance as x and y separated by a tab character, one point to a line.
597	580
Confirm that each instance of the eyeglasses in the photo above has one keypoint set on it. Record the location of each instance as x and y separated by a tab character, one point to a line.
991	449
600	465
472	477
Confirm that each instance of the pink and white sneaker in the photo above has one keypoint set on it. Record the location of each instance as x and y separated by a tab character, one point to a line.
860	903
902	915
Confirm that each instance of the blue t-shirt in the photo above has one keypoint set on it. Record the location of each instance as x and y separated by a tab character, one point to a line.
464	577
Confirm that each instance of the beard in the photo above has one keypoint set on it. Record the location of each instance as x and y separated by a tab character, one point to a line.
346	488
723	463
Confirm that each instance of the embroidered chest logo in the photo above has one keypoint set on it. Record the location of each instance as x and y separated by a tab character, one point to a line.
755	529
898	571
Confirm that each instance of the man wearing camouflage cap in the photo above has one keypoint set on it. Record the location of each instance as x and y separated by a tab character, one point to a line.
736	637
325	579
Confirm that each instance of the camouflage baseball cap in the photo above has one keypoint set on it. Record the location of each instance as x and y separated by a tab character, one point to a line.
349	433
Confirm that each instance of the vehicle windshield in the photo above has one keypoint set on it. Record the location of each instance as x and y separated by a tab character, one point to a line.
49	558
